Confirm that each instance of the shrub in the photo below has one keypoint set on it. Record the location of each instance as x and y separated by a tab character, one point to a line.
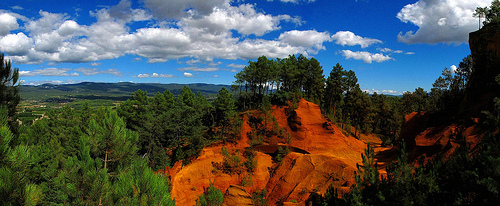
282	153
246	180
251	163
230	164
211	197
259	197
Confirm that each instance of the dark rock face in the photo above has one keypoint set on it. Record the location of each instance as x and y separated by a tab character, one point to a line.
485	50
414	124
294	121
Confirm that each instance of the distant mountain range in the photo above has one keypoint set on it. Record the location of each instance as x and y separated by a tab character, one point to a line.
113	91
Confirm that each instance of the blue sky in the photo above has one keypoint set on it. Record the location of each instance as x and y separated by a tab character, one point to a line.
393	46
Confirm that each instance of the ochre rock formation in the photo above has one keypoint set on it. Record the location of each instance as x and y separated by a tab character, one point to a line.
332	159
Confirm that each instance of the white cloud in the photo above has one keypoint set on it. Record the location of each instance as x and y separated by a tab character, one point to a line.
95	71
214	63
207	30
7	23
175	9
16	7
387	50
307	39
243	18
46	24
385	91
187	74
448	21
196	69
156	75
348	38
453	68
95	64
142	75
215	76
410	53
69	27
295	1
69	81
367	57
193	61
236	66
48	72
16	44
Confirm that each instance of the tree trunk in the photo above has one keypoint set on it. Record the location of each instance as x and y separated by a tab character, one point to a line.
334	107
105	166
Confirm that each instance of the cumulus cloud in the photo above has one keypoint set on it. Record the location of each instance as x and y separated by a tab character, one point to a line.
124	12
243	18
48	72
175	9
307	39
208	29
94	64
448	21
348	38
16	44
367	57
7	23
46	23
187	74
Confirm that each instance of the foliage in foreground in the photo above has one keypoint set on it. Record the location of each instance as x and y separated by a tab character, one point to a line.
77	158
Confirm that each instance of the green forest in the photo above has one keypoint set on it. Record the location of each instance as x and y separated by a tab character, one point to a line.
108	155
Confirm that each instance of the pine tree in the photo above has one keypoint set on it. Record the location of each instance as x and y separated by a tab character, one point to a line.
110	141
15	162
9	91
335	87
224	109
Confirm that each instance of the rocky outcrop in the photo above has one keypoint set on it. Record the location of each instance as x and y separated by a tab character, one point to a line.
320	155
299	175
485	50
236	195
415	123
